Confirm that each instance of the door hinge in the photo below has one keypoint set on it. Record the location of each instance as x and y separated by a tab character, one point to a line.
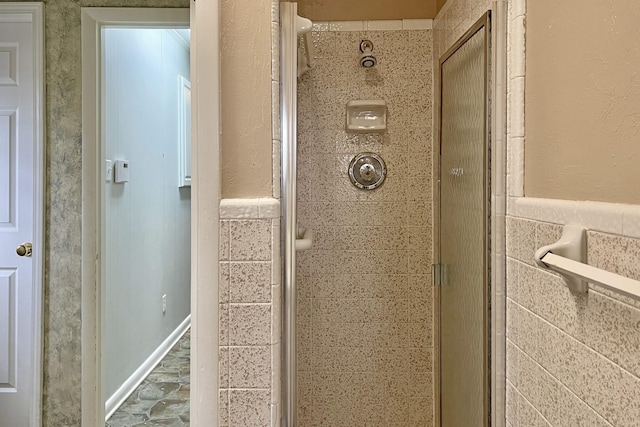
438	272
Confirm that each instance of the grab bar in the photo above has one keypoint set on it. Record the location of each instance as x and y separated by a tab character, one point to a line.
566	257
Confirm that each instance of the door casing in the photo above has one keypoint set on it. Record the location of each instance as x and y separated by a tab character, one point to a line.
205	201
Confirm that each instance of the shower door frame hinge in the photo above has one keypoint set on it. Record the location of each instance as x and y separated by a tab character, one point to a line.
437	274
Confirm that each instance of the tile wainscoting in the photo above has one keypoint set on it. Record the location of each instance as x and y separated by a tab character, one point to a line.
572	359
250	325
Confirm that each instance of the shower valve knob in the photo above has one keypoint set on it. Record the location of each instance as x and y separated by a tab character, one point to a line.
367	172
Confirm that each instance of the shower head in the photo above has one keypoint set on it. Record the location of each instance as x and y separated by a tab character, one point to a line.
367	60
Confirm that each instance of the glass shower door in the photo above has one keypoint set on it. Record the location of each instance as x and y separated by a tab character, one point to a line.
464	211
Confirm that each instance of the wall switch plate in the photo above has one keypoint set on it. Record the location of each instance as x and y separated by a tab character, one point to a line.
164	303
122	171
108	170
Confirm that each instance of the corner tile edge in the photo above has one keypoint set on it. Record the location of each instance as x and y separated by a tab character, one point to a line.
262	208
615	218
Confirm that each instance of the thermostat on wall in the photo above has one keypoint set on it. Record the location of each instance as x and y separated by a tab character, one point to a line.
122	171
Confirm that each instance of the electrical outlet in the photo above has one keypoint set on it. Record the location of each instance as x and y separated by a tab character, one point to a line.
164	303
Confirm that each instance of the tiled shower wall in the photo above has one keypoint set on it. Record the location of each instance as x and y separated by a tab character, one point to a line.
365	299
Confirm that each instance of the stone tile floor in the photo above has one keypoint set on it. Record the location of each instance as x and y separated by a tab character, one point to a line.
162	399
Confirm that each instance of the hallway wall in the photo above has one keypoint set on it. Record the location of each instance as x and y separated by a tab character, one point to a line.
365	297
147	220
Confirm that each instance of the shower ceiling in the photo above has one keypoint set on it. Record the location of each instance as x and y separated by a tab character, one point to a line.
350	10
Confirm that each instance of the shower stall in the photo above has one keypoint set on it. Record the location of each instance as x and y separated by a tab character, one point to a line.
374	334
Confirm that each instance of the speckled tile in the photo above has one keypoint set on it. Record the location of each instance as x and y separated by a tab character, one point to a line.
223	401
355	238
528	415
224	240
421	411
223	364
250	282
511	406
249	324
355	290
374	334
526	237
323	43
512	365
223	324
250	367
574	412
249	408
627	352
601	246
346	384
420	286
546	234
250	240
223	282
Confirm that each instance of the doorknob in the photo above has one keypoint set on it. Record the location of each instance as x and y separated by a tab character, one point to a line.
24	249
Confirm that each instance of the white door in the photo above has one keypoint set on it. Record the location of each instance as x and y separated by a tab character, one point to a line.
20	213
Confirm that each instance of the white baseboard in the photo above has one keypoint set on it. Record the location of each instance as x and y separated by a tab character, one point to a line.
130	385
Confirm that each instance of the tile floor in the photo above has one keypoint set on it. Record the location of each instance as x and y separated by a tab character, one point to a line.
163	397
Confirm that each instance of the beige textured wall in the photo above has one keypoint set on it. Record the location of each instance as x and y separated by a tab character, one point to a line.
358	10
62	288
365	300
246	99
582	100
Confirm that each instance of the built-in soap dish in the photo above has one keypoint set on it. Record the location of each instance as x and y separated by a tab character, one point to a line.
367	116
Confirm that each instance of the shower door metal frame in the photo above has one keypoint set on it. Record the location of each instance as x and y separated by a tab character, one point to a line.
483	24
289	132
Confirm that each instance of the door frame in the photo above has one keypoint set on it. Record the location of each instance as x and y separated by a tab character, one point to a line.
36	10
484	24
498	141
205	202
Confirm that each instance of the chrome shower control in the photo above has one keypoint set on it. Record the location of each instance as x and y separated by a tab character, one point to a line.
367	171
